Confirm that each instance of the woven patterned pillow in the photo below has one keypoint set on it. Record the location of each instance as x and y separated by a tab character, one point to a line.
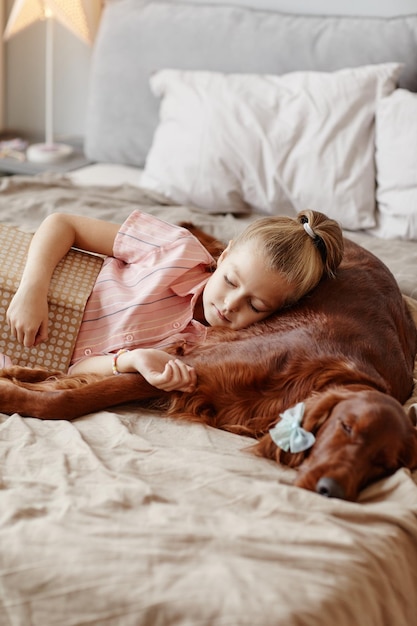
70	288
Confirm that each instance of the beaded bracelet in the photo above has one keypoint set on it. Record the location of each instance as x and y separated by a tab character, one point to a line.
114	363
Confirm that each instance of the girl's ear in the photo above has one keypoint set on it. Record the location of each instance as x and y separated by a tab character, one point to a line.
224	253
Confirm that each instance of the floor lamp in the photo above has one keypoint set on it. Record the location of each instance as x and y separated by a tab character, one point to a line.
81	18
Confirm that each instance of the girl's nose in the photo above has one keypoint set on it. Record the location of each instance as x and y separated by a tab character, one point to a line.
231	303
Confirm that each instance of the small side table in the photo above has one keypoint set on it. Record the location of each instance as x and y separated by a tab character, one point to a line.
11	165
14	166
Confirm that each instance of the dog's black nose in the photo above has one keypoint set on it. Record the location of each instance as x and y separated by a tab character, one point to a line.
330	488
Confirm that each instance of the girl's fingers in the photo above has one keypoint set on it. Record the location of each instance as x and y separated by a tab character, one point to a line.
180	376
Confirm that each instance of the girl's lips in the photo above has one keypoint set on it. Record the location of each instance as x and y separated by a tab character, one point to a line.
220	315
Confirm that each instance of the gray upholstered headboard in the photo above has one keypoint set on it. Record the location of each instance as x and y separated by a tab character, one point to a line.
136	39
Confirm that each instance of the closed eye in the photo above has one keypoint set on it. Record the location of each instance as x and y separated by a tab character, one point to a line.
346	427
232	284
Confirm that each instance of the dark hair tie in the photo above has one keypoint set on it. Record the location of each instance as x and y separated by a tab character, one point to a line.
317	240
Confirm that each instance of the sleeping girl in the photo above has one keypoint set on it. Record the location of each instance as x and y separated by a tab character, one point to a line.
159	286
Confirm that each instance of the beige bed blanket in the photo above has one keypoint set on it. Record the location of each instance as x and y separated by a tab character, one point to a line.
128	518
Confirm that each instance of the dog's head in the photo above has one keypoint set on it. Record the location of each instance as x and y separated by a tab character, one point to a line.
361	437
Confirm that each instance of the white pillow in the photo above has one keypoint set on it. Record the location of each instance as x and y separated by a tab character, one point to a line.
272	144
396	164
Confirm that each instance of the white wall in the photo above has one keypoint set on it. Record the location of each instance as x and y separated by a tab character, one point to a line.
24	97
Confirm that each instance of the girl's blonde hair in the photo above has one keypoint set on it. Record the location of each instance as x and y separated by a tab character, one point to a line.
304	248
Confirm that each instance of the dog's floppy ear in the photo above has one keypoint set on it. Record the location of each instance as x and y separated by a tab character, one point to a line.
317	409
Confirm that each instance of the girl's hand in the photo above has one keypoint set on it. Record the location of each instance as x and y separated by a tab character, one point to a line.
27	317
162	370
159	369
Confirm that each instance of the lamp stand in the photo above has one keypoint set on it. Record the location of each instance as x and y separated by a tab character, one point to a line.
48	152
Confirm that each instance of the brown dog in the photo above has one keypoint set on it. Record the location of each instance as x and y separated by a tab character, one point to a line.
346	352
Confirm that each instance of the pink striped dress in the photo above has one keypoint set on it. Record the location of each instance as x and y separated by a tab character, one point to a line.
145	294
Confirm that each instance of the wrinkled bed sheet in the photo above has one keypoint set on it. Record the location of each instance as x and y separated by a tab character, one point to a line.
128	518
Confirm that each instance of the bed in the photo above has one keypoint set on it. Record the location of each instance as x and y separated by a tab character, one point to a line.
126	517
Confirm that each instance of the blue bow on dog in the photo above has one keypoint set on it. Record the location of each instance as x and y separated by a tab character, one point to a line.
288	434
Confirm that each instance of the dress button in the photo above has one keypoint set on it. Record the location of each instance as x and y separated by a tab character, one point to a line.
129	338
176	325
87	352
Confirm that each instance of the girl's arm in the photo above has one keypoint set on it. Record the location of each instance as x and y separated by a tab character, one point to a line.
27	314
159	368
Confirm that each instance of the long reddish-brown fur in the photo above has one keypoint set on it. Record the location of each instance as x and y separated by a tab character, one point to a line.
346	350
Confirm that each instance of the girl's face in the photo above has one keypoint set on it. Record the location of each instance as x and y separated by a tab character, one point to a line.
243	290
